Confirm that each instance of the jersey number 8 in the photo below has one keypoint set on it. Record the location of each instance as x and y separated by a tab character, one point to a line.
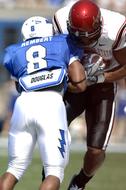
35	57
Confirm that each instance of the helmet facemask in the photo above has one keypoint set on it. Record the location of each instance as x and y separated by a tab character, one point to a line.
85	38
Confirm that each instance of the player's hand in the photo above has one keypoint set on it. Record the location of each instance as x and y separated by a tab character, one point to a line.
95	79
95	65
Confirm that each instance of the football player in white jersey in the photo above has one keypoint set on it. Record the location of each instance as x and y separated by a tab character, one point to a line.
100	32
40	65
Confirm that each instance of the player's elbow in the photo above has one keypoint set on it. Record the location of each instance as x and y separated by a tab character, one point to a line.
81	87
77	87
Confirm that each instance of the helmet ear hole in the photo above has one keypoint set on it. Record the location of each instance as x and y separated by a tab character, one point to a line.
36	27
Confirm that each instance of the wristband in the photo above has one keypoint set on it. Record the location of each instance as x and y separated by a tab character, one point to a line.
77	82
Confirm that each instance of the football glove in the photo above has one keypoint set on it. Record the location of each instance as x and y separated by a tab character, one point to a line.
95	79
94	65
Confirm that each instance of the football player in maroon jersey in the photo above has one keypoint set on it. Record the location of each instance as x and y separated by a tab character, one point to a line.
102	32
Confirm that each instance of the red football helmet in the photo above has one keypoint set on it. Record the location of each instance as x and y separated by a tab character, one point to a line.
84	22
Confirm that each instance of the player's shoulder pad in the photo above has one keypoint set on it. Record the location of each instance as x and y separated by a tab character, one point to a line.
109	15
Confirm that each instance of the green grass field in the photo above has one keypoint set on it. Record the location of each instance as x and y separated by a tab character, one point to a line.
112	175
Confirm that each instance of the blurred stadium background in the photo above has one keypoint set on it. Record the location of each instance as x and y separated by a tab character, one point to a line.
112	175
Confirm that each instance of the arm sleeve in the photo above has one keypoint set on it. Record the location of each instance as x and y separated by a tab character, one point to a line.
7	61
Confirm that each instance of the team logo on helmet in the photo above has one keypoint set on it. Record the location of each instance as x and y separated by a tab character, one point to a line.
96	20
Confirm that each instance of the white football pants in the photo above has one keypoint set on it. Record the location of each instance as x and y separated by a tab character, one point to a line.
39	117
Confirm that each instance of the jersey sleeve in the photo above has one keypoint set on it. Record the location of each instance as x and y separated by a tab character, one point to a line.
7	61
8	57
120	41
75	52
60	20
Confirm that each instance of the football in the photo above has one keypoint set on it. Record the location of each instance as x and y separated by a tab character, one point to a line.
91	59
93	64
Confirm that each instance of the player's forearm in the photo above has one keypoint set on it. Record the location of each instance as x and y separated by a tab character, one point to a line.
76	88
115	75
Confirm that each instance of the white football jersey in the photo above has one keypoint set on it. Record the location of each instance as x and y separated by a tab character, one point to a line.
113	35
